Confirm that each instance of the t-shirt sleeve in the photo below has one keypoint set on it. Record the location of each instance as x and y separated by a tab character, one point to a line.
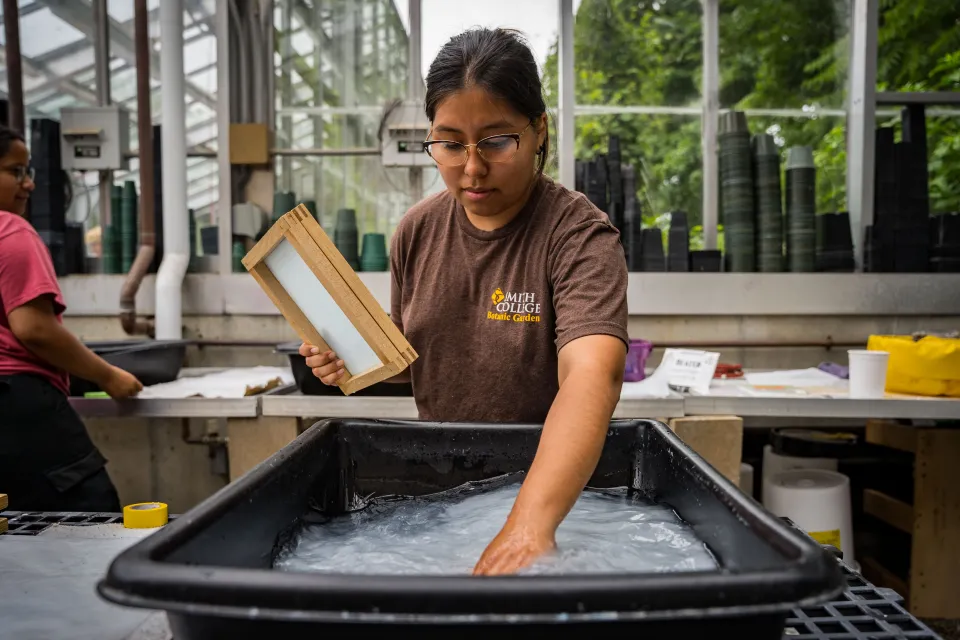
26	272
589	278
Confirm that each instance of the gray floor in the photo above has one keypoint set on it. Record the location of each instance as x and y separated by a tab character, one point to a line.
47	589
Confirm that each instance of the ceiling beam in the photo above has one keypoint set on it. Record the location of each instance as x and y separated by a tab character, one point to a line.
65	85
55	80
79	14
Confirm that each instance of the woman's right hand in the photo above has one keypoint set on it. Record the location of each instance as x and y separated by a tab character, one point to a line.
120	384
323	364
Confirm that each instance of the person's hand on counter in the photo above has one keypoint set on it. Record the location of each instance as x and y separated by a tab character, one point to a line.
120	384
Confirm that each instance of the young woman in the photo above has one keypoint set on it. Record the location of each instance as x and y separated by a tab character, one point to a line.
47	461
511	287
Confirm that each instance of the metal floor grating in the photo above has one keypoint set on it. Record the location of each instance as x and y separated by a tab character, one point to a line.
865	612
30	523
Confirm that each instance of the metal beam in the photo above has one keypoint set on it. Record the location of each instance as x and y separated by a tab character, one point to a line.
862	121
33	7
55	80
78	14
710	121
567	99
224	208
63	84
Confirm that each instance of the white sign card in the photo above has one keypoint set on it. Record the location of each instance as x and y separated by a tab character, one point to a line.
689	369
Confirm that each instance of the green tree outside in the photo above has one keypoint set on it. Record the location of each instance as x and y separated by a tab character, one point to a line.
773	55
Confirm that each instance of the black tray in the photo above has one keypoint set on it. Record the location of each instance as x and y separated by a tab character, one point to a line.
210	568
151	361
310	385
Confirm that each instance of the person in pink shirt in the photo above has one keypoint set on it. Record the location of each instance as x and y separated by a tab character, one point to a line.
47	460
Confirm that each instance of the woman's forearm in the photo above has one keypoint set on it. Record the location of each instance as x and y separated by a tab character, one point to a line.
569	448
54	344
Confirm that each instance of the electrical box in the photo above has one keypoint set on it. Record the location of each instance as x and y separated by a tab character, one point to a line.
249	143
94	138
406	129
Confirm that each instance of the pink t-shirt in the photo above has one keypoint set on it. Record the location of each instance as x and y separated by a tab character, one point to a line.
26	273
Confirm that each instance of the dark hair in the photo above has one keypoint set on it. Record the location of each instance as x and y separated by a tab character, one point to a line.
7	137
499	61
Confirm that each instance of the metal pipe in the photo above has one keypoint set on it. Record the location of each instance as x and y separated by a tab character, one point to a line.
11	30
861	121
710	122
141	264
565	81
227	108
415	88
176	223
101	64
415	84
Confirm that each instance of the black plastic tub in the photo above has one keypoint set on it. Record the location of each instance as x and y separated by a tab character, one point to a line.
210	569
310	385
151	361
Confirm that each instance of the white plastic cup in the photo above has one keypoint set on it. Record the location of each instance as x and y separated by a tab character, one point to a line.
868	373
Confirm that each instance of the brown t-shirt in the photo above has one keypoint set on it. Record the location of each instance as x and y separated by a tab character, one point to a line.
488	310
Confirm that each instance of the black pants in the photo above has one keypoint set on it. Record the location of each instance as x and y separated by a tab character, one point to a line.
47	460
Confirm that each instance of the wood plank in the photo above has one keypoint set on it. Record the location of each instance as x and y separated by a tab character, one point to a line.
373	376
894	512
3	525
880	576
4	502
253	440
890	434
935	556
342	295
262	249
353	281
718	440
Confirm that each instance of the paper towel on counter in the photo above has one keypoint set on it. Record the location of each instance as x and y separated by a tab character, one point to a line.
230	383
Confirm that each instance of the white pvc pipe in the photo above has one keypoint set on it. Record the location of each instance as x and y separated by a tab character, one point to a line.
176	226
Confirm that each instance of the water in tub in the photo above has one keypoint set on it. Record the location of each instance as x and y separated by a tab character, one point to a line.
607	531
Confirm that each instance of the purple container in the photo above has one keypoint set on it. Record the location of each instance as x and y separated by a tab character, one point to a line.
637	360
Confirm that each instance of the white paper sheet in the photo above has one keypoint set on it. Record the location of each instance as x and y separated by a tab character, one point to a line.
230	383
811	377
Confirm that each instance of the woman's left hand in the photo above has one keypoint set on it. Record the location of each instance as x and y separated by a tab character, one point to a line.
516	546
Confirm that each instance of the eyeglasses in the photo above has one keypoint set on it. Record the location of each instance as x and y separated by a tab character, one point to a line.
21	172
495	149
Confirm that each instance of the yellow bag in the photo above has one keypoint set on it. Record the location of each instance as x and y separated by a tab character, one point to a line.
929	366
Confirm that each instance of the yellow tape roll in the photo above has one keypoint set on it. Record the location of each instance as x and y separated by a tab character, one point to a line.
145	515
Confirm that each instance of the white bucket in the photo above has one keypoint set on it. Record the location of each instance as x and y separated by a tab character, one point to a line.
774	463
868	373
818	501
746	478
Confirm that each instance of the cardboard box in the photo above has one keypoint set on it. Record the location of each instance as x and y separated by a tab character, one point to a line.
249	143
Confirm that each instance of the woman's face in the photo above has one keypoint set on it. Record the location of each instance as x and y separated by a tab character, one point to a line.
487	189
15	192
